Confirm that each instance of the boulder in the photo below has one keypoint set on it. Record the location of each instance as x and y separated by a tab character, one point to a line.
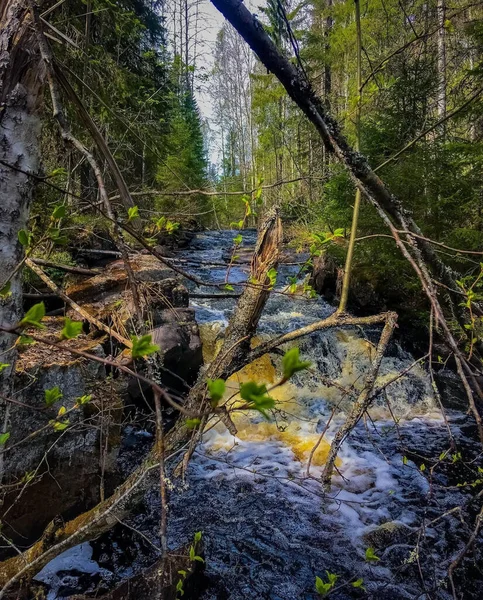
387	534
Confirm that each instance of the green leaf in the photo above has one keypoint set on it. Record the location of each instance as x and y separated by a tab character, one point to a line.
71	329
4	438
3	366
132	213
238	239
256	395
272	276
370	556
216	389
59	212
60	425
422	467
292	364
192	423
322	588
29	475
359	583
62	411
332	577
179	587
84	399
171	227
57	237
24	237
405	460
182	572
25	340
5	291
143	346
198	535
229	287
51	396
34	315
160	223
57	172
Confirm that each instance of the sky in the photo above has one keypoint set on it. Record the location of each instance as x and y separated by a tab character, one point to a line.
212	21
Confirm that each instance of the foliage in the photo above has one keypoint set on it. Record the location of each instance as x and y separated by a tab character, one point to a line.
292	364
143	346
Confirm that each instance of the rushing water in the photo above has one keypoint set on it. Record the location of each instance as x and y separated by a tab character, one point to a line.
268	529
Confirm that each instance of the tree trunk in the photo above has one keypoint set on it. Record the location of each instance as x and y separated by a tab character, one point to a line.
20	86
441	96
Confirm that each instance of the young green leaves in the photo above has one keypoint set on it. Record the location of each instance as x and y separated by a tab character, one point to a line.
256	396
34	315
143	346
5	292
358	583
216	389
132	213
272	277
24	237
324	588
192	423
51	396
84	399
163	223
4	438
370	555
71	329
59	212
292	364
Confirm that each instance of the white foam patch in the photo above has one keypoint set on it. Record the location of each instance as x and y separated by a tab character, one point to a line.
363	494
77	559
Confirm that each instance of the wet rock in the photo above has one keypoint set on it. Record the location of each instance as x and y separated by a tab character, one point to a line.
61	469
176	333
387	534
399	555
325	276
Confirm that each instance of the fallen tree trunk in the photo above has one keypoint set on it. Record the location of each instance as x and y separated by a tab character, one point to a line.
67	268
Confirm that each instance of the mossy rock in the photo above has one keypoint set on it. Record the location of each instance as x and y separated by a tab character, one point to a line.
387	534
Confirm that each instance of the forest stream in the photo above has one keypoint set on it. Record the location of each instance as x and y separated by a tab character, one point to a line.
268	529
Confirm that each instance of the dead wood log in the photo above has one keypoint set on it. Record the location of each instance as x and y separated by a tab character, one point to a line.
67	268
101	253
82	312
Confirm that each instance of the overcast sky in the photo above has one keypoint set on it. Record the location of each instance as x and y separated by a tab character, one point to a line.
212	22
